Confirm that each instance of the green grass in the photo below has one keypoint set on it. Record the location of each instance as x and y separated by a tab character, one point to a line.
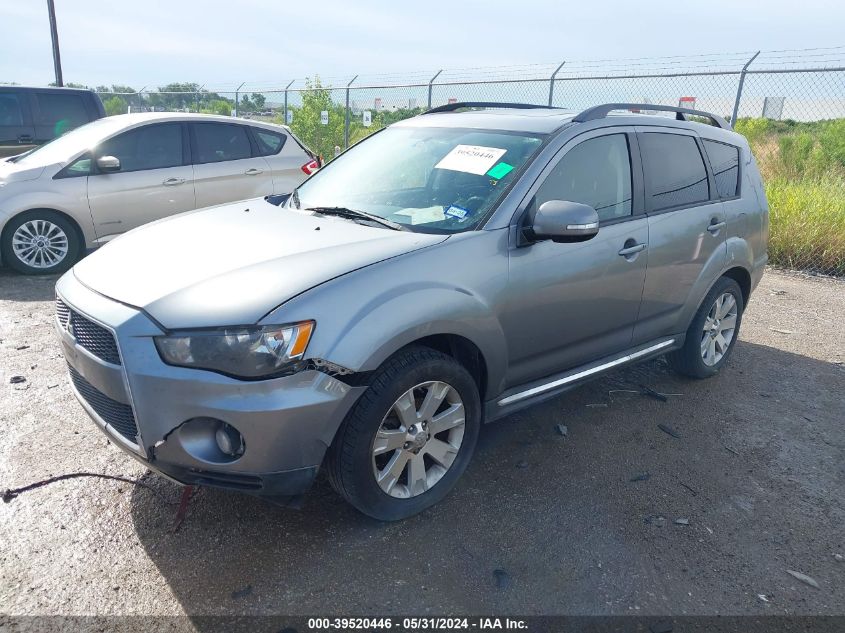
803	167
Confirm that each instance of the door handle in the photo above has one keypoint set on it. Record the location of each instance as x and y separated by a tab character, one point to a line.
253	172
632	250
25	138
716	226
170	182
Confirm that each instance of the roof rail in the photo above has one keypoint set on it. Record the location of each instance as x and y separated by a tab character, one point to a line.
681	114
451	107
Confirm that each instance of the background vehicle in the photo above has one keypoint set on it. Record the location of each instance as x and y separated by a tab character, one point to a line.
114	174
33	116
448	270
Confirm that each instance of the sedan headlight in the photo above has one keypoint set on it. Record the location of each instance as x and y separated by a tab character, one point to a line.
241	352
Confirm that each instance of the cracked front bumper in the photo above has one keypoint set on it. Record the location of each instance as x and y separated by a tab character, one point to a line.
140	402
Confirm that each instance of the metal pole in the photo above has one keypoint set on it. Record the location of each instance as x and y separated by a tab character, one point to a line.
552	83
197	97
237	90
54	35
739	89
141	99
286	101
429	86
346	122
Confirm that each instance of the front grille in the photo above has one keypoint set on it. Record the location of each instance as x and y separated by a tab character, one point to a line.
92	336
116	414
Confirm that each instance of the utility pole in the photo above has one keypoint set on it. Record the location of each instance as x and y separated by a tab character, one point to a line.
54	34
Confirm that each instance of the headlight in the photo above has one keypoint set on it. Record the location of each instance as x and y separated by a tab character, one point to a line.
242	352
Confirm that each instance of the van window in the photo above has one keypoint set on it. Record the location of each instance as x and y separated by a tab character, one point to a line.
221	141
10	109
62	111
596	172
724	160
674	170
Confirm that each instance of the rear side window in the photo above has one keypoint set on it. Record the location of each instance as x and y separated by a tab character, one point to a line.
63	111
268	142
148	147
724	159
674	170
596	172
10	109
217	142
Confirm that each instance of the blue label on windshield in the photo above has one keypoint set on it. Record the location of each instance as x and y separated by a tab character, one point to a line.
457	212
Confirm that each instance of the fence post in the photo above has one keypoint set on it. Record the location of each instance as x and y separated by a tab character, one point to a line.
739	89
141	99
552	83
429	86
286	101
346	122
237	97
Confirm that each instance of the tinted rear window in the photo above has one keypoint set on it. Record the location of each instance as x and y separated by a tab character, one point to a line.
724	160
221	141
674	170
268	142
63	111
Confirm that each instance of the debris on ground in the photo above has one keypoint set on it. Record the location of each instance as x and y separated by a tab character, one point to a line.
778	293
640	477
779	331
16	380
561	429
807	580
681	521
187	493
763	597
655	519
664	626
838	558
669	431
11	493
731	450
20	347
242	593
503	580
598	404
690	488
522	464
648	391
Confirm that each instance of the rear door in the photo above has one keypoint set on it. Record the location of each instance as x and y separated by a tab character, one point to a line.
686	224
17	133
284	157
155	178
227	165
570	303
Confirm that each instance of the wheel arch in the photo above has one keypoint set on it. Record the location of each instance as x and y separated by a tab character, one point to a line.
743	277
463	350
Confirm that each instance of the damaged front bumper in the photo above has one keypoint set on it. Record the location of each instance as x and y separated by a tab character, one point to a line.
166	416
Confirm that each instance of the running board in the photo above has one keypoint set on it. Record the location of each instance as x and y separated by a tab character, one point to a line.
554	384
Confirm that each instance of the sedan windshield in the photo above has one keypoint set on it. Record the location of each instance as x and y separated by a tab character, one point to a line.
433	180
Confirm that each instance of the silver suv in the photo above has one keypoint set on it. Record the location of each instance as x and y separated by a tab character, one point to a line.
447	271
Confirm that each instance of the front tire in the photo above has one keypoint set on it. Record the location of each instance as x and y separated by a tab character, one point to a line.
40	242
409	437
713	333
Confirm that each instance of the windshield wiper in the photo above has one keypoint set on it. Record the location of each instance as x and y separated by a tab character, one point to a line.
355	214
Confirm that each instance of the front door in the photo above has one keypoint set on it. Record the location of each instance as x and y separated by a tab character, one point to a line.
686	230
571	303
155	179
226	166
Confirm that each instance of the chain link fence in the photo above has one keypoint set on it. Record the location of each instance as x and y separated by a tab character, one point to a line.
790	105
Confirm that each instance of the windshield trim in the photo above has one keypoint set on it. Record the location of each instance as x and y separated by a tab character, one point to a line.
544	138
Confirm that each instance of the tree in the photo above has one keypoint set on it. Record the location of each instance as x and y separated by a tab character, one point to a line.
115	105
322	139
258	100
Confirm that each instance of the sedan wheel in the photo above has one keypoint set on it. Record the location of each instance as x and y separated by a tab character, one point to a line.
40	244
418	439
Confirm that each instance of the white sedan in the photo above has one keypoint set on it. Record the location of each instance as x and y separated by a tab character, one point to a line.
114	174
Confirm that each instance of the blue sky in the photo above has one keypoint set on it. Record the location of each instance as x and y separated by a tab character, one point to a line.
154	42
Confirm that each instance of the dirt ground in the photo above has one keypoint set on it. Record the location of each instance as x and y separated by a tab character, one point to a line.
589	523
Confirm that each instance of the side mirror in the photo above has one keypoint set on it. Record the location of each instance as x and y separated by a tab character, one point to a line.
108	164
565	221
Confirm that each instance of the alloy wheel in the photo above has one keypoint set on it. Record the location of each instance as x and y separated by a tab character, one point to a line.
40	244
719	328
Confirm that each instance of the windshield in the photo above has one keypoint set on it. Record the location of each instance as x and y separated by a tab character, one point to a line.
63	148
433	180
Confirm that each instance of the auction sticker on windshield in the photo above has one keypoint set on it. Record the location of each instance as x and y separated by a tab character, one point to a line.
472	159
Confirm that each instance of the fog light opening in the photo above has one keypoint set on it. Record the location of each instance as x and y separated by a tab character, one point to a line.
229	440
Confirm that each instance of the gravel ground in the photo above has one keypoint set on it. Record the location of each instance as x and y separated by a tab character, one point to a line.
589	523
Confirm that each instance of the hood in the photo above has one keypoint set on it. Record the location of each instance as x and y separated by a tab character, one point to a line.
12	172
232	264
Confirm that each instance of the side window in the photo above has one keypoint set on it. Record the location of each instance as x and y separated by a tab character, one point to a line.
269	143
221	141
724	159
148	147
10	109
596	172
62	111
674	170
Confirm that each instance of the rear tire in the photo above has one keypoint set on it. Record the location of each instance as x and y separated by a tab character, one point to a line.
40	242
409	437
713	333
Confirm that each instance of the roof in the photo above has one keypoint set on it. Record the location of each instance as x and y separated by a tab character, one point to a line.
143	117
537	120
